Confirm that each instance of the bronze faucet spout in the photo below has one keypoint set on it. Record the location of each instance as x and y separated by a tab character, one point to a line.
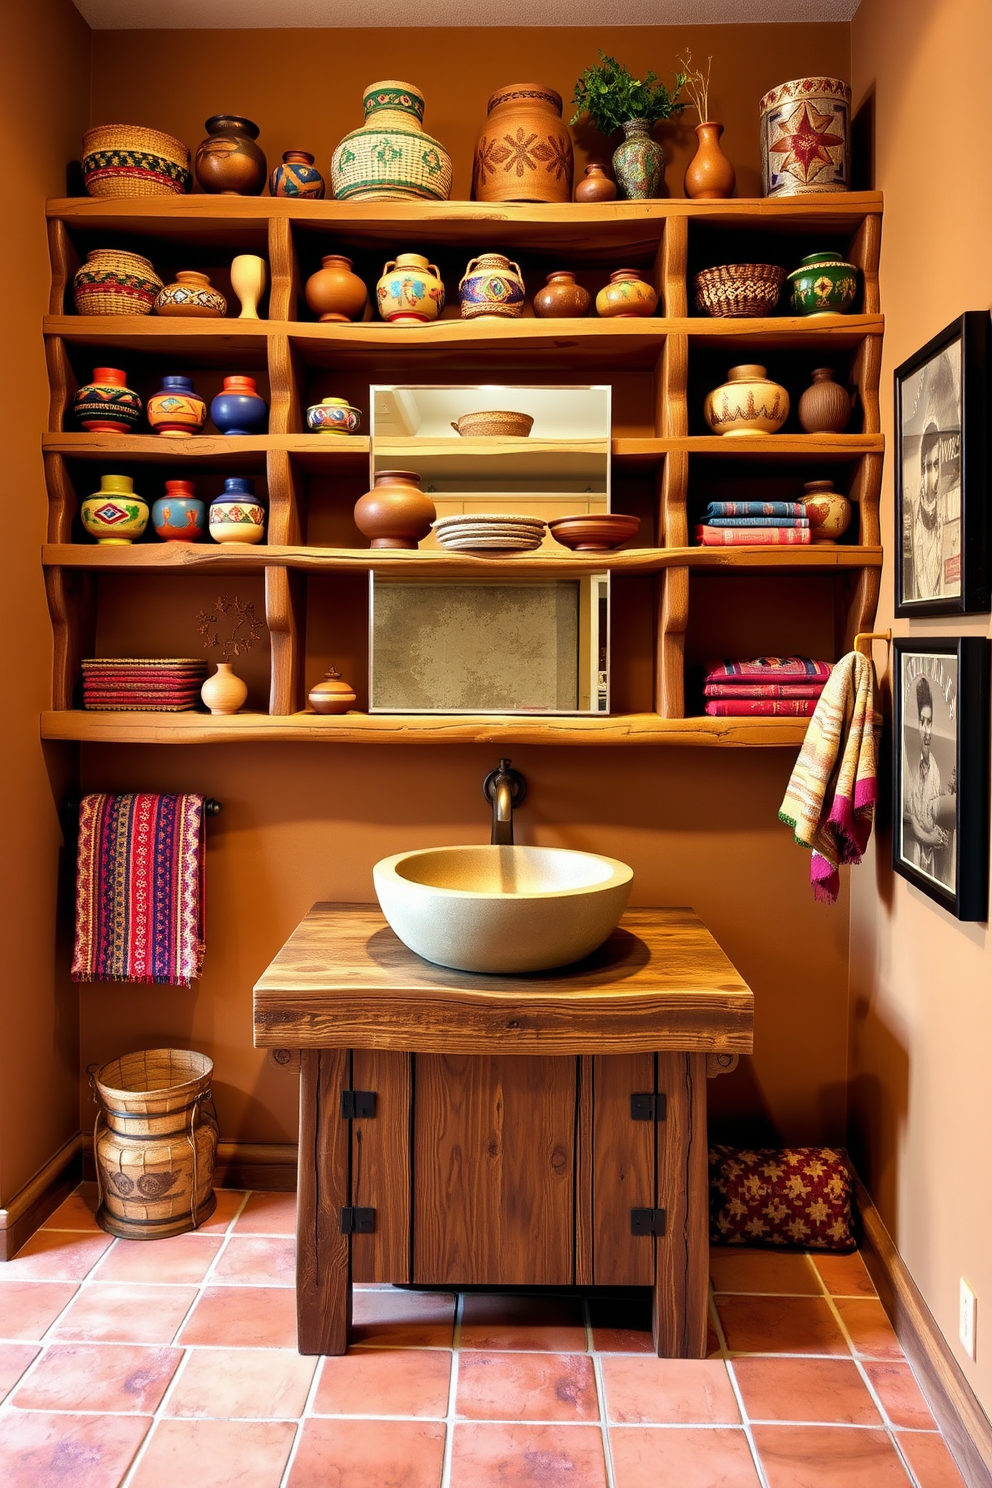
505	788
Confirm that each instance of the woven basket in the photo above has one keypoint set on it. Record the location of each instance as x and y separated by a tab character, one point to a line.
391	158
112	282
129	160
739	289
495	424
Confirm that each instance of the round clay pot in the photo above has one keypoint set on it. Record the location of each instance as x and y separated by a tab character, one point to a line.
710	175
238	409
224	692
228	162
395	513
410	290
746	404
823	285
828	511
562	298
297	177
179	515
625	296
595	185
177	409
107	405
334	292
825	407
191	294
333	696
115	514
492	287
524	152
333	416
113	282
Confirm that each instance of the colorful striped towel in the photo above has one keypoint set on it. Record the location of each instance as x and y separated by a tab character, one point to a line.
830	798
139	889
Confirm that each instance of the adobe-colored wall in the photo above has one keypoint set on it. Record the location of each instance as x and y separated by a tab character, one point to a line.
921	982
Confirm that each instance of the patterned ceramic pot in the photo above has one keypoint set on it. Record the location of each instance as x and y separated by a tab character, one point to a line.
805	135
115	514
627	295
562	298
228	162
239	409
177	409
297	177
524	152
746	404
829	512
192	294
823	285
112	282
333	416
410	290
391	158
236	516
107	405
129	160
179	515
639	162
492	286
595	185
334	293
395	513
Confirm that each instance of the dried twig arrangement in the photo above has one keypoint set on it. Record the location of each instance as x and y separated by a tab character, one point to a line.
697	85
236	615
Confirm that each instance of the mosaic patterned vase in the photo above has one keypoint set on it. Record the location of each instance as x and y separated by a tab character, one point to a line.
823	285
410	290
177	409
639	162
748	403
391	158
112	282
333	416
524	152
129	160
179	515
627	295
192	294
297	177
805	137
228	162
115	514
236	515
239	409
107	405
492	286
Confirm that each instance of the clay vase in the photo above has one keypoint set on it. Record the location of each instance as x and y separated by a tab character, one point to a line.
297	177
410	290
333	416
595	185
395	513
492	287
228	162
113	282
626	295
825	407
392	157
249	276
177	409
524	152
239	409
191	294
115	514
333	696
710	175
828	511
823	285
334	293
639	162
236	516
179	515
224	692
107	405
746	404
805	137
562	298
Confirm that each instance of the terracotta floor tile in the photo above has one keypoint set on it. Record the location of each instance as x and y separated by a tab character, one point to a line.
669	1391
525	1456
243	1317
398	1319
268	1214
390	1382
57	1255
780	1325
115	1312
539	1323
215	1454
242	1383
648	1457
39	1450
256	1260
930	1459
901	1397
526	1387
743	1270
822	1390
29	1308
176	1258
870	1330
621	1325
827	1457
77	1212
844	1275
386	1454
229	1201
99	1377
14	1359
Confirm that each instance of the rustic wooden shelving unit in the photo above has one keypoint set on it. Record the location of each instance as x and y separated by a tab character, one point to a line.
664	461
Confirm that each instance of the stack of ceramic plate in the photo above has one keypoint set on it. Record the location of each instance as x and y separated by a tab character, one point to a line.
484	532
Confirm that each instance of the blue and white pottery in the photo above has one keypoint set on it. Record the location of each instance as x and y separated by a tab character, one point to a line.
237	515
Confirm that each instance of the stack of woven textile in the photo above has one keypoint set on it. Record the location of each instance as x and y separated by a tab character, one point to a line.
132	684
732	524
765	686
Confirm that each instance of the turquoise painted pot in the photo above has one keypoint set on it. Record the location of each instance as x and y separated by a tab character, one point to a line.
179	515
823	285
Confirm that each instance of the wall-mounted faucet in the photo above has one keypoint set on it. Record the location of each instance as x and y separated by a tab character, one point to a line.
505	788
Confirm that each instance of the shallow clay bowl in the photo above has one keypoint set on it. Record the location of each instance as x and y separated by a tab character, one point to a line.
593	534
497	423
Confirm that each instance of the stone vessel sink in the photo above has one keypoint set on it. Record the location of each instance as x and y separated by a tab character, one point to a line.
502	909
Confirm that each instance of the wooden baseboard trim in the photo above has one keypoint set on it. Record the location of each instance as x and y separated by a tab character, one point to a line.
268	1166
959	1414
32	1204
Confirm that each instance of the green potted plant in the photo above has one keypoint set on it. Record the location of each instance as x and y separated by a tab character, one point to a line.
614	99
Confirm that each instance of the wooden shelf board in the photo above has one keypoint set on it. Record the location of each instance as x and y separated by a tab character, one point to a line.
313	451
791	447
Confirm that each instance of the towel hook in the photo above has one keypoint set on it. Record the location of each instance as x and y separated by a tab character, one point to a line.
864	638
210	806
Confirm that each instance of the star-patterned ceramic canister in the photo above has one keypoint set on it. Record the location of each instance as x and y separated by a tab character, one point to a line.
805	137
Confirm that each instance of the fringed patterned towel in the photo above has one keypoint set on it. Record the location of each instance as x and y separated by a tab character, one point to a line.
830	799
139	889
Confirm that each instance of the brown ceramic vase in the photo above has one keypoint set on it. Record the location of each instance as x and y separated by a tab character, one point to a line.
334	292
395	513
595	185
524	152
333	696
228	162
562	298
825	407
710	175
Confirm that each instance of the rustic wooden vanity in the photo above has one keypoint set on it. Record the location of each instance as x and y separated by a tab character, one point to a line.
539	1130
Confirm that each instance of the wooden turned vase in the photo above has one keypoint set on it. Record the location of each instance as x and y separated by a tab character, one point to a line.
224	692
395	513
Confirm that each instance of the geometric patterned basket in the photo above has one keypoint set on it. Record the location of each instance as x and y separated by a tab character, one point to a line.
115	282
739	289
127	160
785	1197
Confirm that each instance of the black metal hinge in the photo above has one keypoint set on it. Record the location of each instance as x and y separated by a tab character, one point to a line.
646	1106
647	1221
357	1221
357	1103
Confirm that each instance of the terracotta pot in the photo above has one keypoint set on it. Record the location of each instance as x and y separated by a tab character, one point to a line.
524	152
829	512
492	287
710	175
107	405
239	409
392	157
746	404
825	407
334	292
179	515
333	696
113	282
297	177
224	692
249	276
805	134
115	514
191	294
626	295
228	162
395	513
639	162
595	185
177	409
410	290
562	298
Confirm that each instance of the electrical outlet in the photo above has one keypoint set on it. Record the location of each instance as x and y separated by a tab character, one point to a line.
967	1319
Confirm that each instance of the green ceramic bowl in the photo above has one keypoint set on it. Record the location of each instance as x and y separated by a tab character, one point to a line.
823	285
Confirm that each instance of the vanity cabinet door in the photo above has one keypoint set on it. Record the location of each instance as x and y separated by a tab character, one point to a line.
380	1166
623	1170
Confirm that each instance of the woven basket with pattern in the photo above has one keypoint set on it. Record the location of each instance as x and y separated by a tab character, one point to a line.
739	289
112	282
129	160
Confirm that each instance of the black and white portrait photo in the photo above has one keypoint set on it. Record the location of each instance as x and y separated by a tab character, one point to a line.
929	754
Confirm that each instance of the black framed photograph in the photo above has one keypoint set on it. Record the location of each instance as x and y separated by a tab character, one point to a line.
942	472
940	815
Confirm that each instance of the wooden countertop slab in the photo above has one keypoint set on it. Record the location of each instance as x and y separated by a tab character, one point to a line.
661	981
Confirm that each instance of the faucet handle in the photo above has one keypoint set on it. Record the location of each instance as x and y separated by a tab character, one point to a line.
516	782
